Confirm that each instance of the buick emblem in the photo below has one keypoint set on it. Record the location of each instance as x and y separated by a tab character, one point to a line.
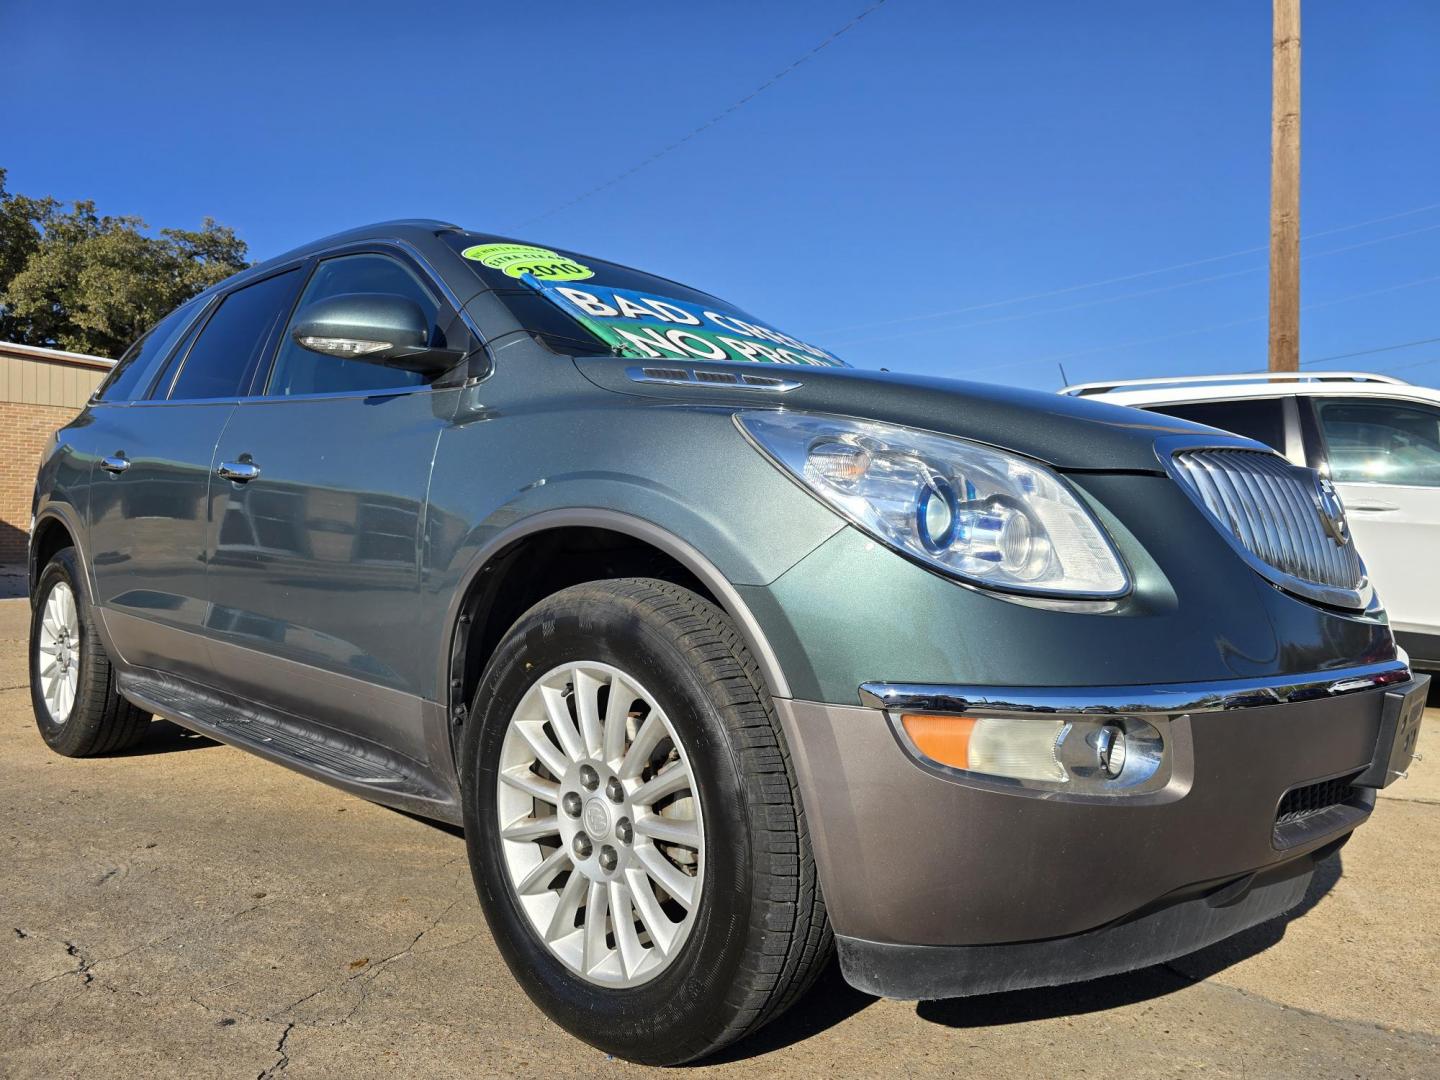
1332	510
597	818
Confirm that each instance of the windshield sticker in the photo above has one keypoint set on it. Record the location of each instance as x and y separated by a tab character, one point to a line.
658	327
517	260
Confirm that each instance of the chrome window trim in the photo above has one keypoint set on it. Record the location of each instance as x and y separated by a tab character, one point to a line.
1172	698
212	300
272	398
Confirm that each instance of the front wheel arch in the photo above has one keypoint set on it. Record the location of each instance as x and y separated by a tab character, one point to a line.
636	547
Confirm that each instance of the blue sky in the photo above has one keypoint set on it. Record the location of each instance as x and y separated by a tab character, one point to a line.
940	157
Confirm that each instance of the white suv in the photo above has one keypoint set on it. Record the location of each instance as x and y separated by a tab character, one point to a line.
1377	438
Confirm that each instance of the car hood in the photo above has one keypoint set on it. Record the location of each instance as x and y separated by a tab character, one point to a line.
1068	433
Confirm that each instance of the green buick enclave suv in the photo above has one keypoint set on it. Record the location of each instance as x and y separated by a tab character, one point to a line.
721	651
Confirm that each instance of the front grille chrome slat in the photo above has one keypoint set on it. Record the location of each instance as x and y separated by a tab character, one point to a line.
1269	511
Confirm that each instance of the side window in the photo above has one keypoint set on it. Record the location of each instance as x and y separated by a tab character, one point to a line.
1261	420
223	359
131	376
300	371
1371	441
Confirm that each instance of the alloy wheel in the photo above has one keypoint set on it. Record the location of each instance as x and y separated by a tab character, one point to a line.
600	824
59	645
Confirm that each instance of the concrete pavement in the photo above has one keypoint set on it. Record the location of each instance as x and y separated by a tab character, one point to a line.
188	910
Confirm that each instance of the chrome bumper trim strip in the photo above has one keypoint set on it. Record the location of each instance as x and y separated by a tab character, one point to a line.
1160	698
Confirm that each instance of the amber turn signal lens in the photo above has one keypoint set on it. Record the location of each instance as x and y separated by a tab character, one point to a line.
945	739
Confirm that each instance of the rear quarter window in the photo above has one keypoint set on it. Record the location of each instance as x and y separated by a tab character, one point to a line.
132	375
1262	420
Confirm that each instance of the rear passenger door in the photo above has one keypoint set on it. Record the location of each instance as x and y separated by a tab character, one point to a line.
156	426
1383	456
314	548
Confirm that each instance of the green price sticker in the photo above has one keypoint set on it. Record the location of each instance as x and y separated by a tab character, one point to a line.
517	260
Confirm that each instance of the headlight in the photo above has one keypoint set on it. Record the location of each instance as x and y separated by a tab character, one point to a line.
977	513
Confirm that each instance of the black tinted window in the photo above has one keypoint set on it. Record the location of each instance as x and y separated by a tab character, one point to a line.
223	358
1263	421
131	376
300	371
1381	442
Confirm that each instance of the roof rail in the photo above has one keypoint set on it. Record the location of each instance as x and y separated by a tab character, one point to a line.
1089	389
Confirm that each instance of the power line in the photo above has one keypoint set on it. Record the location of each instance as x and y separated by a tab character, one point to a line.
1377	349
1056	357
751	96
1406	367
1123	277
1124	296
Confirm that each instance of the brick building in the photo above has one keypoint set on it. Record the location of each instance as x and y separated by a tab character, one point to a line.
40	390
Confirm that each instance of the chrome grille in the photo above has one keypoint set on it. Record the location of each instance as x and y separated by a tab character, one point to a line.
1269	509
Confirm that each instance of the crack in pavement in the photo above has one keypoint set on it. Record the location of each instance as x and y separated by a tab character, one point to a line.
87	965
366	976
283	1061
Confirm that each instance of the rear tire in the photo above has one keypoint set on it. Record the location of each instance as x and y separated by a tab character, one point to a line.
755	935
72	685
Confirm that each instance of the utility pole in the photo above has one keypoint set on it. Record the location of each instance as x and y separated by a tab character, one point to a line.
1285	189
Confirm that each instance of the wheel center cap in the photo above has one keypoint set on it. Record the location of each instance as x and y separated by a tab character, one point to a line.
597	818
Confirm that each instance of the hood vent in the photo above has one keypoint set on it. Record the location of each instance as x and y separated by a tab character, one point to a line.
718	378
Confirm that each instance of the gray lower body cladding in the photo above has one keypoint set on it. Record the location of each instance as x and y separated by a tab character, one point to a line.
928	972
938	887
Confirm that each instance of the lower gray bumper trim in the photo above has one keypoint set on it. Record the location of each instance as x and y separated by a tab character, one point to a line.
928	972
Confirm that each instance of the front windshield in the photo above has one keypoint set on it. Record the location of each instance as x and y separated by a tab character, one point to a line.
625	311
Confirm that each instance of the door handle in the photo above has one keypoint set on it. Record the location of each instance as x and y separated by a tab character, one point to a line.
115	464
1373	508
241	472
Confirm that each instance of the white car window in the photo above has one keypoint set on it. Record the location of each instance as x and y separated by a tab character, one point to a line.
1381	442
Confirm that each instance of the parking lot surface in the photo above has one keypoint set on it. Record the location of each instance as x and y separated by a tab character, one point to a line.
188	910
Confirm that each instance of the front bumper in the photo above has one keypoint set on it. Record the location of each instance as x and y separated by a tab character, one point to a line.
941	886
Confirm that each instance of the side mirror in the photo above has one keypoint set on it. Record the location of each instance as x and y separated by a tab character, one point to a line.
375	328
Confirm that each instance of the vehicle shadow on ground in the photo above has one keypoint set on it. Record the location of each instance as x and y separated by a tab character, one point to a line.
434	823
163	737
833	1001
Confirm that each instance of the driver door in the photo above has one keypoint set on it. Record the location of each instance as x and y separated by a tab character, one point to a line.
318	509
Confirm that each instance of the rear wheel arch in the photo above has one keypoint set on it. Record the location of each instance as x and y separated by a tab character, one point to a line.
52	533
556	549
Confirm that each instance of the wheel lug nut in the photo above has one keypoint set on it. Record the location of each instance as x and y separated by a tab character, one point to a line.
589	778
623	830
615	790
571	804
608	858
582	846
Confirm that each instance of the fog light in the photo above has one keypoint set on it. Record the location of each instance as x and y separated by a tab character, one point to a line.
1113	755
1110	750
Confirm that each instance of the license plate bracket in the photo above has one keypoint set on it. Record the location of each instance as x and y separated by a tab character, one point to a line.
1399	731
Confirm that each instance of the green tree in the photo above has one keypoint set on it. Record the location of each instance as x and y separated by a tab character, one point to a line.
74	279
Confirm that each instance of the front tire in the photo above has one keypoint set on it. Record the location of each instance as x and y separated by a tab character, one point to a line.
72	685
633	824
